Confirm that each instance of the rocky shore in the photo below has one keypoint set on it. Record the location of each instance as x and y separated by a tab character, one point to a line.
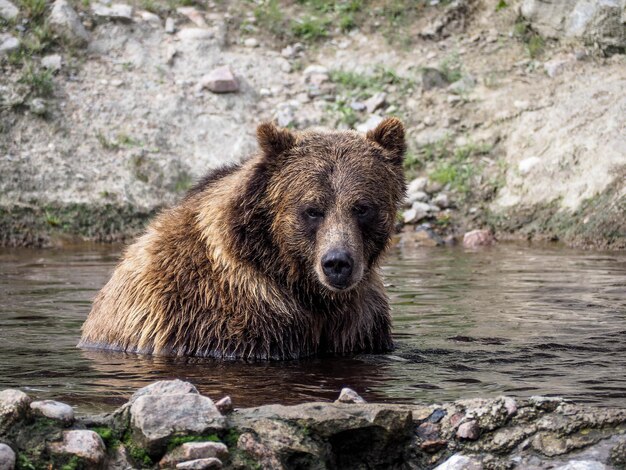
168	424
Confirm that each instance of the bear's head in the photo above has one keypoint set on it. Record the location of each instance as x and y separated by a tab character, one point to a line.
320	206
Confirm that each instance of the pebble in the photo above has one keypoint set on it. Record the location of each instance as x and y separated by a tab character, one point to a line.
375	102
418	184
14	406
8	44
348	395
429	121
84	444
225	405
53	409
38	106
200	464
433	78
52	62
418	211
193	15
417	196
476	238
463	86
315	69
428	431
468	430
288	52
195	33
7	457
170	25
370	124
442	201
251	42
358	106
8	11
525	166
150	17
116	12
220	80
554	67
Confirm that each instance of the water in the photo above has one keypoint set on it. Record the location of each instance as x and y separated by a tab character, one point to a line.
510	320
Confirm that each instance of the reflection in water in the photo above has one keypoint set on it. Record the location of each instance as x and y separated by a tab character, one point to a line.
510	319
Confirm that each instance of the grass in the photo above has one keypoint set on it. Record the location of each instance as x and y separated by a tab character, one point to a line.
452	68
38	80
269	16
34	10
535	43
310	28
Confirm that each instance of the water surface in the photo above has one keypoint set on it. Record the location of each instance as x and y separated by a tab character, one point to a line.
512	319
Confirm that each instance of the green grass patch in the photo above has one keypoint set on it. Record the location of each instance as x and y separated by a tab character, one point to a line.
310	28
39	81
535	43
452	68
179	440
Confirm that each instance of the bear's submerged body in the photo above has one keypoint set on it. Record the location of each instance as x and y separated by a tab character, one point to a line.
241	267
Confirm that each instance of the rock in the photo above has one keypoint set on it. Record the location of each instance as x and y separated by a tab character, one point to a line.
442	201
420	196
53	409
194	34
154	419
8	44
165	387
433	78
428	431
64	21
84	444
170	25
463	86
195	16
251	42
115	12
194	451
582	465
358	105
417	185
288	52
429	121
52	62
423	235
315	70
554	67
150	17
220	80
14	406
418	211
524	166
375	102
468	430
8	11
225	405
433	187
285	113
460	462
348	395
7	457
370	124
200	464
477	238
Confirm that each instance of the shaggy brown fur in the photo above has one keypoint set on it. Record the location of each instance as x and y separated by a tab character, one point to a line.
235	270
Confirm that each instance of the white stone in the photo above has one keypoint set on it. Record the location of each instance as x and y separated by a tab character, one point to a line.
170	25
117	11
442	201
460	462
7	457
8	44
251	42
150	17
195	33
8	11
416	196
371	123
417	185
375	102
348	395
554	67
53	410
582	465
52	62
527	164
200	464
315	69
418	211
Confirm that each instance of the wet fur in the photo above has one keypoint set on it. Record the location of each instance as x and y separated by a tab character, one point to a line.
230	273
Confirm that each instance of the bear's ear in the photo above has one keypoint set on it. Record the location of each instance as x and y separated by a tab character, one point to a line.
389	134
273	140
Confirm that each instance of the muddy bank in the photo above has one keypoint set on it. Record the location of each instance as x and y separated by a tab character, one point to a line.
169	425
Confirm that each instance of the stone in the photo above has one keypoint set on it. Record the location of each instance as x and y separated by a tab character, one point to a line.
251	42
200	464
555	67
420	196
468	430
53	409
423	235
288	52
193	15
64	21
195	34
463	86
7	457
8	44
370	124
165	387
116	12
418	184
375	102
8	11
348	395
315	70
52	62
194	451
582	465
442	201
154	419
433	78
526	165
84	444
14	406
170	25
418	211
477	238
460	462
433	187
428	431
358	105
225	405
220	80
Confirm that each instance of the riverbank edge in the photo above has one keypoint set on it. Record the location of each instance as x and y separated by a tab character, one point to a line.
168	424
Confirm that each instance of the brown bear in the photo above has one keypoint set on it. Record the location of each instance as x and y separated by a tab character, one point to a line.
274	258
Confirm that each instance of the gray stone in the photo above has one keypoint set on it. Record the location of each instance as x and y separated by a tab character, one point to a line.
8	11
64	21
14	406
193	451
50	408
418	184
418	211
195	34
165	387
463	86
420	196
460	462
8	44
251	42
582	465
468	430
194	15
358	105
442	201
52	62
555	67
150	17
154	419
200	464
170	25
375	102
84	444
115	12
7	457
371	123
348	395
315	70
433	78
225	405
526	165
220	80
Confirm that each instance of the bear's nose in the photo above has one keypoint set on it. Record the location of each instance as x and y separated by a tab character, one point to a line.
337	265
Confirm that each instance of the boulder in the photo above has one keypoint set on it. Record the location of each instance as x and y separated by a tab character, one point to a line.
7	457
194	451
14	406
53	410
84	444
64	21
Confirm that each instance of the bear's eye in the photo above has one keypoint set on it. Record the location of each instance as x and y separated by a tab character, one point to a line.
313	213
361	210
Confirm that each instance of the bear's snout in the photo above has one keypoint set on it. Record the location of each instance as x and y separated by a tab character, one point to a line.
337	265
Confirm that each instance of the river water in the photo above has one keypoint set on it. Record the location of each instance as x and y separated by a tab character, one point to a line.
511	319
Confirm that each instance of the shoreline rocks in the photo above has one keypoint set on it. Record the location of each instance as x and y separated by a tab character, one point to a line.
170	425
